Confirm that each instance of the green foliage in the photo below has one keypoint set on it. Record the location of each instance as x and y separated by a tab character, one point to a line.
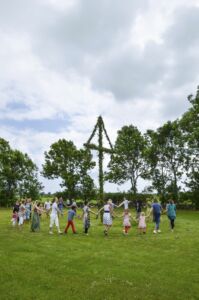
128	163
18	175
65	161
118	197
166	158
100	128
190	127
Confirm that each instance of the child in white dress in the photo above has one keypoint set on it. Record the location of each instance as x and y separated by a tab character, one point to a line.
86	216
14	218
142	223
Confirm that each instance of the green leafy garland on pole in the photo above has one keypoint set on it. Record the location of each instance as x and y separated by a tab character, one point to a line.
101	150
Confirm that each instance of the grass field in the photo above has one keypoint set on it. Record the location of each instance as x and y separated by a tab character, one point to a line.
39	266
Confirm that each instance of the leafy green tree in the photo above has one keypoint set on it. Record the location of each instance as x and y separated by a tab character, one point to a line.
166	157
87	189
190	126
65	161
157	170
18	174
127	162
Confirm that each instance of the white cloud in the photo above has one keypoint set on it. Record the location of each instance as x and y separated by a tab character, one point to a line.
75	60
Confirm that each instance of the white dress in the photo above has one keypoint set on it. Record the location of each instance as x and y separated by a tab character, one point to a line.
142	222
107	219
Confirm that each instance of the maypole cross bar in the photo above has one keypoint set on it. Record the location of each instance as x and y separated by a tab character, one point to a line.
100	130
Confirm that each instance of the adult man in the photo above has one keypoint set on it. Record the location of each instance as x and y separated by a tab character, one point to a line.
138	208
125	203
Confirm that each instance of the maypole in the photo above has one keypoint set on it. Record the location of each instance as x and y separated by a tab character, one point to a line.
100	130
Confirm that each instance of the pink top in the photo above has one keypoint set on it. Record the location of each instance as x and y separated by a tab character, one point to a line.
126	220
142	222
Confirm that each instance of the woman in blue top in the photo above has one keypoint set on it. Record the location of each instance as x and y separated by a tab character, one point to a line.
156	209
171	213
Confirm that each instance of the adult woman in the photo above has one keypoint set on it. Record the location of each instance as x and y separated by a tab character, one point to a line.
156	209
107	216
171	213
35	225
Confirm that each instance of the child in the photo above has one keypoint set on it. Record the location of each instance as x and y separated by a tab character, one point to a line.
126	221
14	219
71	215
86	217
142	223
28	210
21	213
54	216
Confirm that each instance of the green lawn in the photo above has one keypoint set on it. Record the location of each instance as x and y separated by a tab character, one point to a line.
38	266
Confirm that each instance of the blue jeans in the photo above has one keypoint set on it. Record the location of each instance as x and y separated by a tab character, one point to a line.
156	219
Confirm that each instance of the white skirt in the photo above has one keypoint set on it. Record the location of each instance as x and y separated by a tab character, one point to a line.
107	219
54	220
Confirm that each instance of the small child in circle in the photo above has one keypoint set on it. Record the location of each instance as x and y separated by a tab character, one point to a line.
86	216
14	218
71	215
126	221
21	213
142	223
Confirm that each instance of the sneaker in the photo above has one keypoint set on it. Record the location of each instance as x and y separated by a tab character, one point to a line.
154	231
60	232
50	232
159	231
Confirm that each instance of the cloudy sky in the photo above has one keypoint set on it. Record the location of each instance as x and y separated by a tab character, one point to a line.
64	62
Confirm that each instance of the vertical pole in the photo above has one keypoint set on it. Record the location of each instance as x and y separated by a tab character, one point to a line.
101	156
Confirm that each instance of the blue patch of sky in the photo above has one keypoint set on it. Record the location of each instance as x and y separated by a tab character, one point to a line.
49	125
20	106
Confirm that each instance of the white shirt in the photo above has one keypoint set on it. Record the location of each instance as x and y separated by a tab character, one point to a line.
54	209
126	204
47	205
22	210
86	211
107	207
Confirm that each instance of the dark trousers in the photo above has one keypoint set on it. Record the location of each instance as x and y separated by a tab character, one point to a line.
172	223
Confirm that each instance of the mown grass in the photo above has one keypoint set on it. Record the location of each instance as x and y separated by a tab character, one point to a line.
38	266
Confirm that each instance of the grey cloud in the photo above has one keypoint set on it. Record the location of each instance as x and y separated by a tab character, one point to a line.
183	33
89	39
88	32
182	41
131	75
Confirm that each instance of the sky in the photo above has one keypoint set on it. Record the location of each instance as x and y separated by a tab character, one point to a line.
65	62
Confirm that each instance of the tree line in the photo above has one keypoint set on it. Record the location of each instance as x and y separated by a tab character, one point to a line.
168	158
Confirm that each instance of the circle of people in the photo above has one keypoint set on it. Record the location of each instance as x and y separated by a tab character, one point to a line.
25	211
